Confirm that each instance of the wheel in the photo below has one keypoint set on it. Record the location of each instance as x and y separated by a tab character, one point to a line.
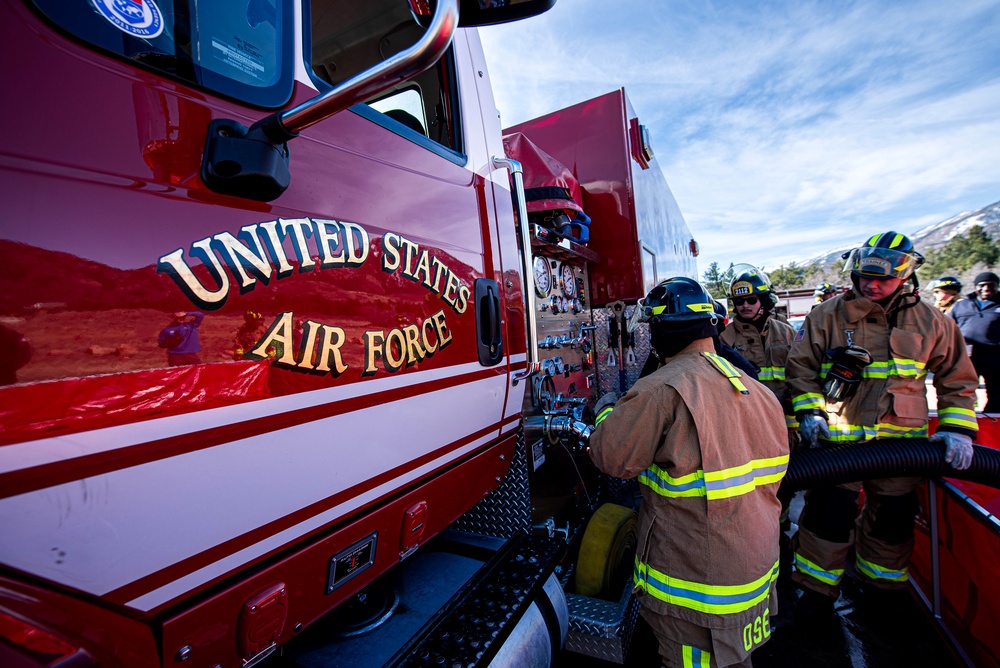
607	552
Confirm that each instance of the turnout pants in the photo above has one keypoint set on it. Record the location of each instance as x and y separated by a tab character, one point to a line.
882	536
683	644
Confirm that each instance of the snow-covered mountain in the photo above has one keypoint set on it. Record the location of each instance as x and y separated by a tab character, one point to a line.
940	233
932	236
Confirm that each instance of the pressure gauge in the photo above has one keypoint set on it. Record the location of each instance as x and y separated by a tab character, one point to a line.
568	280
543	276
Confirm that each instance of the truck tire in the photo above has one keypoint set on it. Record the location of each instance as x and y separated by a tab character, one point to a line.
607	552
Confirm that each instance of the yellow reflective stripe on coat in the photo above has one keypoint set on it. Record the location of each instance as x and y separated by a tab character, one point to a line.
808	401
710	599
791	422
830	577
852	433
876	572
603	414
663	484
958	417
898	367
728	370
721	484
771	373
887	430
739	480
695	658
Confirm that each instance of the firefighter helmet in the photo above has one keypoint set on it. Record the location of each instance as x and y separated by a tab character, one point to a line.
824	289
748	280
946	283
679	299
885	255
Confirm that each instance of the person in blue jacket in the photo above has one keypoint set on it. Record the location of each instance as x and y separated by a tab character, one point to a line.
180	338
978	317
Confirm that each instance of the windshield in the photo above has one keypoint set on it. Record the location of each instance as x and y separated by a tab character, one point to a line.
241	50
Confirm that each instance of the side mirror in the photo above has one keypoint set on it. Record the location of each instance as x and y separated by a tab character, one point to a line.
492	12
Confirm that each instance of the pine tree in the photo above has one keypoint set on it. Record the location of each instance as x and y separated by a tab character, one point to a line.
961	253
717	282
786	278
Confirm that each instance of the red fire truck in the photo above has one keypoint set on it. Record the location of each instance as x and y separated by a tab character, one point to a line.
276	328
299	345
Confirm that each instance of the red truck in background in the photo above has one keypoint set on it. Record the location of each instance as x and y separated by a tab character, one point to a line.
290	319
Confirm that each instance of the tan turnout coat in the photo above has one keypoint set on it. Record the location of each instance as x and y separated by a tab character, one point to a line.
709	460
891	401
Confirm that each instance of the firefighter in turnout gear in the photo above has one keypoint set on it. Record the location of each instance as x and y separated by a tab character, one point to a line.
857	372
824	292
757	334
763	339
709	448
947	292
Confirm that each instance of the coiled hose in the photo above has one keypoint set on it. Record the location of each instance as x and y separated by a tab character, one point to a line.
885	458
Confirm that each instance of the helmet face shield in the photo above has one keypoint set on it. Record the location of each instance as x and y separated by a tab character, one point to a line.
875	262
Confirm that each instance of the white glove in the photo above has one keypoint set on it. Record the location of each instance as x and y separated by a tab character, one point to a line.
958	448
810	427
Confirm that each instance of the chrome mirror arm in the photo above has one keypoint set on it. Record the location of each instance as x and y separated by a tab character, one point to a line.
404	65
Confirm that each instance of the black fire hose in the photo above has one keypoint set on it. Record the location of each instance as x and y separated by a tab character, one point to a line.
885	458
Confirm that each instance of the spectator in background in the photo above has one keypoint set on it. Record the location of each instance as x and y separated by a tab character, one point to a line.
180	338
947	292
979	319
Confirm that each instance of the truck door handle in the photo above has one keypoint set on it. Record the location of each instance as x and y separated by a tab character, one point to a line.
489	330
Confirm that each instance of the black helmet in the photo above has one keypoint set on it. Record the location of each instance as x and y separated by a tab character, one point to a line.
824	289
885	255
946	283
677	300
748	280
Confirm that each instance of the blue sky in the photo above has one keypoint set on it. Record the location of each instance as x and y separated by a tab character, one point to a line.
784	128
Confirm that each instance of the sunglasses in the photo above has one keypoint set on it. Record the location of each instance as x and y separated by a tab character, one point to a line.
740	301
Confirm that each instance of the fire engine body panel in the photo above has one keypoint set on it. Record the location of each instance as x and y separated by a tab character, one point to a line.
346	404
611	154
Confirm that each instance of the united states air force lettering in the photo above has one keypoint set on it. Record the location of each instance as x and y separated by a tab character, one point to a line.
257	254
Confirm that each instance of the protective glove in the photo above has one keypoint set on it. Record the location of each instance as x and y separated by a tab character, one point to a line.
607	401
958	448
810	427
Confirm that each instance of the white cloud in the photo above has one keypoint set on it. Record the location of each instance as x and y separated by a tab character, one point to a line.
784	128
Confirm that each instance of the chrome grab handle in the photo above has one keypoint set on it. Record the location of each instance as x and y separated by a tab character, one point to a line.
516	173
